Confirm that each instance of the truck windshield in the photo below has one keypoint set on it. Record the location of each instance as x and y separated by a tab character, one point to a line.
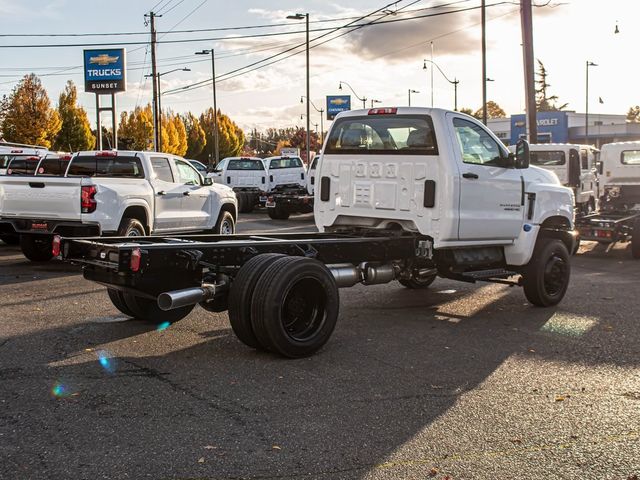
245	164
631	157
547	158
111	166
384	135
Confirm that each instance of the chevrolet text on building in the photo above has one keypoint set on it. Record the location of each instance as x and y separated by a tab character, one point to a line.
104	71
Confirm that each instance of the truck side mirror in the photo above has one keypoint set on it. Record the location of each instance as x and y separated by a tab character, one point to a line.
574	168
522	154
207	181
600	167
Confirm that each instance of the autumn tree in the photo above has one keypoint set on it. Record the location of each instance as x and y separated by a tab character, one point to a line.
299	140
467	111
174	135
230	136
28	116
493	111
196	138
75	134
633	115
135	131
544	101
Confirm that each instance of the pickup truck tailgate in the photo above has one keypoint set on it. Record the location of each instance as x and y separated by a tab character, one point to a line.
40	197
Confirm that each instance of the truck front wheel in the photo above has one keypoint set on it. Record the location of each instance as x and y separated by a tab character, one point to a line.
36	248
635	239
225	224
295	306
546	277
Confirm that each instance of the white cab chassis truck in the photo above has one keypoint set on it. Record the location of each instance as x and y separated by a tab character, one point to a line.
112	193
247	176
618	218
404	194
288	182
576	168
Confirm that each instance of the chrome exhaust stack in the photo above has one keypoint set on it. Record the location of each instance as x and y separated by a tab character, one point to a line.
185	297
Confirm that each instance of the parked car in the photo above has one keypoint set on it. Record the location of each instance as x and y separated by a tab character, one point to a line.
199	166
121	193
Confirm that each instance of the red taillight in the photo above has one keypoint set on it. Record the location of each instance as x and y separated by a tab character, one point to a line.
55	246
88	203
65	157
107	153
134	262
383	111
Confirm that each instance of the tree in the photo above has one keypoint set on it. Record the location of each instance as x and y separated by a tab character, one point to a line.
230	136
196	138
135	131
174	135
299	140
633	115
75	133
28	116
545	102
493	111
467	111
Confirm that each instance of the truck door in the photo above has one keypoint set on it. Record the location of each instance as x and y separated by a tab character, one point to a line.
490	193
195	204
168	195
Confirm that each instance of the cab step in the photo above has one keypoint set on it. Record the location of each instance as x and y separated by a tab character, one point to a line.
489	275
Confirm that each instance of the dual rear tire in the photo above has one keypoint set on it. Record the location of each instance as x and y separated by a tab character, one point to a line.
287	305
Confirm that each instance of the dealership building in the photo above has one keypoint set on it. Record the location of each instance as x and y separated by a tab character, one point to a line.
567	127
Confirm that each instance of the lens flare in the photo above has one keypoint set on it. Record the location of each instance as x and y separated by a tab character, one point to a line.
163	326
107	361
60	390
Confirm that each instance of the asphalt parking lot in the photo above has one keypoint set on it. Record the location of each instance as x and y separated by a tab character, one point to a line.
461	381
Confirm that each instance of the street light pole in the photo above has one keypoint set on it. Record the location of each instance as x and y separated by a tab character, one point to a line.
375	101
410	92
300	16
484	63
453	82
586	107
363	99
216	149
321	112
159	112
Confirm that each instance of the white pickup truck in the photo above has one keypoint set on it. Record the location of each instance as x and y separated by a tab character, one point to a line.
403	194
120	193
247	177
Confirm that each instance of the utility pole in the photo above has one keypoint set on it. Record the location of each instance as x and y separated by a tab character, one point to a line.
484	63
215	155
157	137
529	69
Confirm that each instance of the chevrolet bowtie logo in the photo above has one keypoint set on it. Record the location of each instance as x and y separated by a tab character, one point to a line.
103	59
338	101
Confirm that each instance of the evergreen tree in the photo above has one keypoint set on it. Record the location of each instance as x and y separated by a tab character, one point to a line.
544	101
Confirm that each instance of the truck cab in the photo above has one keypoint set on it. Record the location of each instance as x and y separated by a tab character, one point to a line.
247	176
443	174
285	173
620	176
575	166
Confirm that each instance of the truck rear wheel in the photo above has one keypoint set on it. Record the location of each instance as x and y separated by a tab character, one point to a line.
295	306
249	202
147	309
117	298
546	277
635	239
10	239
241	294
278	213
417	283
36	248
131	227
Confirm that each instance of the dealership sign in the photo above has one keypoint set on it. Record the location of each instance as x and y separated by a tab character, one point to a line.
104	71
337	104
553	127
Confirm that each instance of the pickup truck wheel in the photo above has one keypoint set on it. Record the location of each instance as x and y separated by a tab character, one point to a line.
635	239
130	227
241	294
225	224
278	213
10	239
417	283
240	201
36	248
117	298
147	309
249	202
295	306
546	277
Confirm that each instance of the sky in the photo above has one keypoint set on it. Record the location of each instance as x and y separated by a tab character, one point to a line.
380	62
